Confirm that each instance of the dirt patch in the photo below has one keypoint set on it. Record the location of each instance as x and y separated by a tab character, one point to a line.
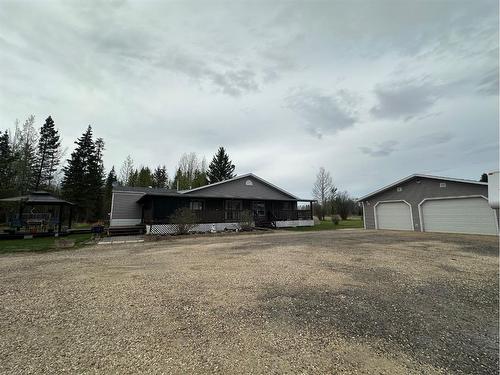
317	302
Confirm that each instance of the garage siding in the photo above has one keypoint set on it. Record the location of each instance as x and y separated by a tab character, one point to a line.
415	191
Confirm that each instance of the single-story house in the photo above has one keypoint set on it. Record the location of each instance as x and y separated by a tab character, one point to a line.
217	206
431	204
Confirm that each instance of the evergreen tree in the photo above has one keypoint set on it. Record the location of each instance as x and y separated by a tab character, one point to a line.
181	181
160	177
6	166
48	154
221	168
144	177
133	178
24	149
83	177
111	180
95	181
199	178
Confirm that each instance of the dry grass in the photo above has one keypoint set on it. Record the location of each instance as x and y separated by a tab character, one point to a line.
324	302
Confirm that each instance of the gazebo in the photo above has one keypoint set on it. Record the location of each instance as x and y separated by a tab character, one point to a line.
39	212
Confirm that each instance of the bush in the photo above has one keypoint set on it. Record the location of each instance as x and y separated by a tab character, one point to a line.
184	220
336	219
246	220
343	204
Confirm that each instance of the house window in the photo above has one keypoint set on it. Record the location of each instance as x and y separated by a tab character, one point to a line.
248	183
196	205
399	189
259	209
287	205
442	184
232	209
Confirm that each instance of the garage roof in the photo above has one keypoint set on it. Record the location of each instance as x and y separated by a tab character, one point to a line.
418	175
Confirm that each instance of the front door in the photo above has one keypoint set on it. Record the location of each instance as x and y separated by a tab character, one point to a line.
259	210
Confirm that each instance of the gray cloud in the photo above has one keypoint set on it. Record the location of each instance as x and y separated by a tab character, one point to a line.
432	139
322	113
488	85
382	149
404	99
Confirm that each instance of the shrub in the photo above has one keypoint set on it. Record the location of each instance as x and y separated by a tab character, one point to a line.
184	220
336	219
246	220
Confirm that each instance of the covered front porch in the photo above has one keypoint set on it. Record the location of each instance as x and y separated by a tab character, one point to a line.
161	209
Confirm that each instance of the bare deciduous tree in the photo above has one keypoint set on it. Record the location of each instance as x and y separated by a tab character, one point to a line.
323	190
126	171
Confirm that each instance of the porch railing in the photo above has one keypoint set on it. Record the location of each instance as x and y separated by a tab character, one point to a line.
231	216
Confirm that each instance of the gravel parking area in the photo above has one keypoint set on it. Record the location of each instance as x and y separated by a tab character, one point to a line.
323	302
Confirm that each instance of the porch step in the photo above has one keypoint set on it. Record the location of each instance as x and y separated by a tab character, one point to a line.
266	224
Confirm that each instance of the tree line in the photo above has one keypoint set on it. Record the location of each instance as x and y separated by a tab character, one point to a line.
191	172
32	159
331	201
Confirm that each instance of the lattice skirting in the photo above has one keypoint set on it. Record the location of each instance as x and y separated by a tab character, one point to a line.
172	228
294	223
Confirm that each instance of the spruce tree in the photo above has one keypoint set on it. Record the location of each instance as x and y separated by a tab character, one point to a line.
160	177
6	166
221	168
111	180
48	154
144	177
83	177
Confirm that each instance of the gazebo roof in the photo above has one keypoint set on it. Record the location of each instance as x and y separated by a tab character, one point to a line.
38	197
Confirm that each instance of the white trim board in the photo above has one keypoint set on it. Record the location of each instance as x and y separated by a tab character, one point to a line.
364	214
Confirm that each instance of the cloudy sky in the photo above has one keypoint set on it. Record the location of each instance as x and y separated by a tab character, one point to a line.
371	90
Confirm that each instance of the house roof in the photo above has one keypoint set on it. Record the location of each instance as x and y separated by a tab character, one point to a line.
418	175
238	178
37	197
145	190
203	191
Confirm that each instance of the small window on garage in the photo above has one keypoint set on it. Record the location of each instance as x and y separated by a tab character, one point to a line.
442	184
399	188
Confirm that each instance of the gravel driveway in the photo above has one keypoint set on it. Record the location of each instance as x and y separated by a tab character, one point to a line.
318	302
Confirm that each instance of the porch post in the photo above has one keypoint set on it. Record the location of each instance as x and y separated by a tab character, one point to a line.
60	218
70	216
21	209
311	208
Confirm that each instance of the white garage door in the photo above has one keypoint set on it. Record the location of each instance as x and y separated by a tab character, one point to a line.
458	215
393	215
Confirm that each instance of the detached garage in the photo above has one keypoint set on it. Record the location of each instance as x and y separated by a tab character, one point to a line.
432	204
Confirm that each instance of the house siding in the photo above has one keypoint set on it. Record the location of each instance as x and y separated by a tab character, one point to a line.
414	193
239	189
125	210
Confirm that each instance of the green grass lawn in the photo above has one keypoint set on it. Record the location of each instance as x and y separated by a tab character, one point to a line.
40	244
352	222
